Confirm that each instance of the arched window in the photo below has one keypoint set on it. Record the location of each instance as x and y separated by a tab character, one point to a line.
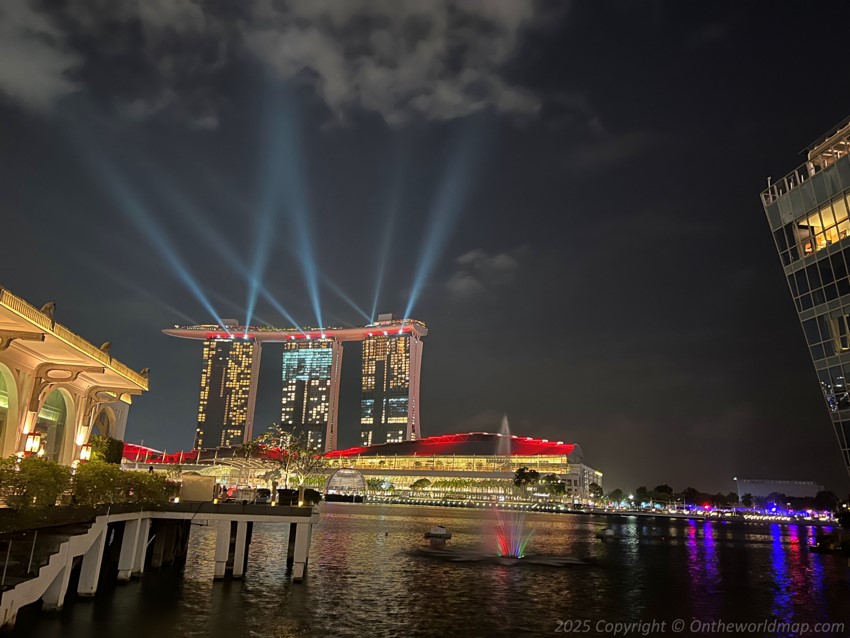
50	425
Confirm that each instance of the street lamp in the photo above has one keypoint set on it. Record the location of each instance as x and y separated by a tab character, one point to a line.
33	443
85	452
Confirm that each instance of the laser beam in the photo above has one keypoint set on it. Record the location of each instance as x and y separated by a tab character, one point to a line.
386	242
293	181
339	292
445	208
196	221
131	206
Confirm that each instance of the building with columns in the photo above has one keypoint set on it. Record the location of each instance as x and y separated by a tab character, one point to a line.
56	388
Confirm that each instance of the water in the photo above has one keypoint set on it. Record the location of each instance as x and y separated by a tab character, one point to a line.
503	446
364	580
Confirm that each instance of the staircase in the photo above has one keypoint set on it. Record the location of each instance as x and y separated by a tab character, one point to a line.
23	554
37	563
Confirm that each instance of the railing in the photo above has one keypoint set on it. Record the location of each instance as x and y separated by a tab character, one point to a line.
25	310
823	160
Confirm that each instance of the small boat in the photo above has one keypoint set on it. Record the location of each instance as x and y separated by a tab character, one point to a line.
606	534
438	535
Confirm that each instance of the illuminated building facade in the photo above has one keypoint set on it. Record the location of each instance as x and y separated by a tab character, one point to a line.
56	388
228	392
808	214
389	404
392	356
476	465
310	399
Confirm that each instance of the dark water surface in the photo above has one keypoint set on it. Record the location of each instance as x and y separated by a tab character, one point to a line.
364	580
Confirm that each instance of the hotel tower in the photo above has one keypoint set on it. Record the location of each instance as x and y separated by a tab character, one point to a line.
310	399
808	214
228	381
312	362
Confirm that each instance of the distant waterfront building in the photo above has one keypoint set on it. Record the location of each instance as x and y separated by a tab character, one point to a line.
478	465
228	382
470	462
56	388
310	399
808	213
389	404
766	487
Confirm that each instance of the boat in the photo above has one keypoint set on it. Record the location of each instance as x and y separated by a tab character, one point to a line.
438	535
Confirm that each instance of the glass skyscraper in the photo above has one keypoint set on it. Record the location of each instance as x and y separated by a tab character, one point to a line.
228	382
310	399
389	409
808	213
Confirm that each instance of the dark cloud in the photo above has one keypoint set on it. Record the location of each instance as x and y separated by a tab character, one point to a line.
401	59
479	272
35	60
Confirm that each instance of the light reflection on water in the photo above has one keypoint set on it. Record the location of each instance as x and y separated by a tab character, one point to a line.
363	579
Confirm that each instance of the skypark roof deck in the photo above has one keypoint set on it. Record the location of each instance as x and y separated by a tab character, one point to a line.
280	335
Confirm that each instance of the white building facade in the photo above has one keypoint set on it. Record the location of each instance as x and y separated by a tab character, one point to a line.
56	388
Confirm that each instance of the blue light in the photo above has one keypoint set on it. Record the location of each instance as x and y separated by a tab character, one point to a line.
132	207
188	210
341	294
445	210
289	175
103	269
386	242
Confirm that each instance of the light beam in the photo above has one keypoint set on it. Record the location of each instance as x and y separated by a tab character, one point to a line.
445	209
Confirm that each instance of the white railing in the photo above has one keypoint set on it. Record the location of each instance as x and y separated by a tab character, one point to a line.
826	158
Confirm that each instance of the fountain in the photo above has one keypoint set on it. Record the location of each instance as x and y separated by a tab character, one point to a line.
507	527
511	536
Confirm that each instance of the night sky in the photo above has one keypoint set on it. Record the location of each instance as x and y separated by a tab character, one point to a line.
568	196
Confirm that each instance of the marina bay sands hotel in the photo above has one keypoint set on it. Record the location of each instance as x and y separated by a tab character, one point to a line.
312	361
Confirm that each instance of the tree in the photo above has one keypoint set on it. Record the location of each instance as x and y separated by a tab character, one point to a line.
642	494
283	455
825	500
616	495
106	448
32	482
554	485
693	496
420	484
559	488
526	478
595	491
664	489
776	499
747	500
